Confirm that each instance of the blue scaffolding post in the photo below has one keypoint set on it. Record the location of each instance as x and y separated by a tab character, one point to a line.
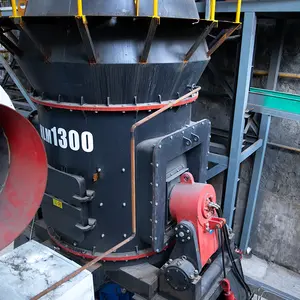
242	91
263	134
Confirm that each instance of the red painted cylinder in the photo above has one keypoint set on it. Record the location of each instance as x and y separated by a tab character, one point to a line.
24	177
189	201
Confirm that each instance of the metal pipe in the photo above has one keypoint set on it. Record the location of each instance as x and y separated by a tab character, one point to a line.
212	10
133	200
280	146
155	8
79	8
238	11
14	8
280	74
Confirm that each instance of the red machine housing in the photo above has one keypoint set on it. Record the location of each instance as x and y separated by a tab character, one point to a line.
189	201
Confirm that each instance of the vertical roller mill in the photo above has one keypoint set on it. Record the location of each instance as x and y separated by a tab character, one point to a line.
114	82
98	77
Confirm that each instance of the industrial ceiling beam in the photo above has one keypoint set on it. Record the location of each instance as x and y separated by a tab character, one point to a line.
255	6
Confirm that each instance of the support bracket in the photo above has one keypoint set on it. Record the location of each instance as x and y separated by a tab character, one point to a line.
149	39
86	39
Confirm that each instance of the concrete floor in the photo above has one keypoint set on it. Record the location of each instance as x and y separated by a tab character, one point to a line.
273	281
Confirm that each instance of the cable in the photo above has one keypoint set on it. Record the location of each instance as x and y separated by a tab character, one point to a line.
221	237
235	269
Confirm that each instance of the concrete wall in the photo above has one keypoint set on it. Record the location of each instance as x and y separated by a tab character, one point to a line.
276	233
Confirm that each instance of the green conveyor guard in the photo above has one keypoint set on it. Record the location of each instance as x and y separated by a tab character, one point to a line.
278	100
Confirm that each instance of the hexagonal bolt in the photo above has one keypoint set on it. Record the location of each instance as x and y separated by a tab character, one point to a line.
183	240
176	228
191	276
181	234
188	237
196	272
181	226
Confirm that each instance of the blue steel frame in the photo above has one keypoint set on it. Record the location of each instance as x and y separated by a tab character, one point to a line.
236	156
263	135
243	86
256	6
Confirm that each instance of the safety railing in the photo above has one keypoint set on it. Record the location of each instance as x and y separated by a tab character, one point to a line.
18	9
212	15
79	9
155	8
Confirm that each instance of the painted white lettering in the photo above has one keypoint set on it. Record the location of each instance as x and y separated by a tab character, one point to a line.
42	130
87	141
48	136
74	140
53	129
62	140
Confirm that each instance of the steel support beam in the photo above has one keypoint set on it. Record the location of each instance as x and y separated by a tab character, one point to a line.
221	161
207	9
263	134
257	103
215	170
244	75
218	159
17	82
250	150
255	6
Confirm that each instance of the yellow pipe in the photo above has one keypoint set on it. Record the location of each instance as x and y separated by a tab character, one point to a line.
155	8
280	74
238	11
14	8
79	8
212	10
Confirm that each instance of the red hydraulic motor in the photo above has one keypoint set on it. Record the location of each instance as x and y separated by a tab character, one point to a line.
191	201
192	206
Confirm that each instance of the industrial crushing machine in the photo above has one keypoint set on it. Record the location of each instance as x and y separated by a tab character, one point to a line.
127	167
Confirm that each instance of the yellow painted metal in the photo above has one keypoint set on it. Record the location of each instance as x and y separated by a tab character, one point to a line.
14	8
79	8
155	8
137	7
21	11
212	10
238	11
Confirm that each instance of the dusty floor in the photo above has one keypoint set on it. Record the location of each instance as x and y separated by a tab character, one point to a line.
275	282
